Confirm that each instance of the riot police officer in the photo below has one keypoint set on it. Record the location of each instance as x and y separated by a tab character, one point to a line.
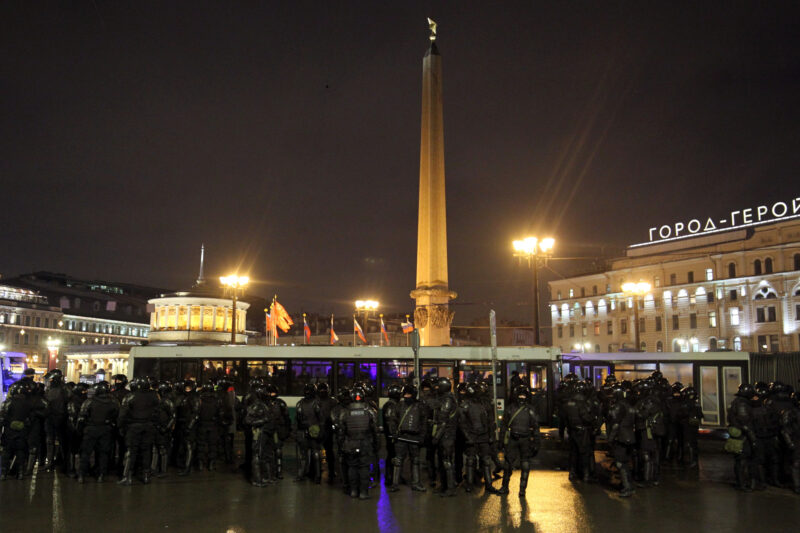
358	430
79	395
740	420
410	422
389	415
211	415
620	424
15	415
473	421
187	416
137	417
326	405
520	438
445	427
97	418
263	423
309	434
790	432
55	427
689	417
165	425
119	389
649	424
284	427
579	421
250	397
428	399
34	393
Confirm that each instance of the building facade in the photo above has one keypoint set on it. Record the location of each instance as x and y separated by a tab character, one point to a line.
736	290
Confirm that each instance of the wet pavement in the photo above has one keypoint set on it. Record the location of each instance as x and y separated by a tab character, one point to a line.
222	501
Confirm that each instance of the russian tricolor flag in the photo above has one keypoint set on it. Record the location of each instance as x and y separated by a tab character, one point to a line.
306	329
359	331
408	327
383	331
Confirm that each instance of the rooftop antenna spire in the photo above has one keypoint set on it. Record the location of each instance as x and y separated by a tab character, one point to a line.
200	279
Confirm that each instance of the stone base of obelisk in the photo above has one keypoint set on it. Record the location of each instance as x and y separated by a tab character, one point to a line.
432	315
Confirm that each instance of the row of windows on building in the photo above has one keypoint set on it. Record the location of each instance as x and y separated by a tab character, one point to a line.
759	267
766	343
764	314
666	300
73	325
22	338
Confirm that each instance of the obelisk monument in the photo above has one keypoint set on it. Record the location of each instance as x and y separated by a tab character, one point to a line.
432	315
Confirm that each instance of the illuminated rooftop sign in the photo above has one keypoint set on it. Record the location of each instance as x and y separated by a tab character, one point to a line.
744	218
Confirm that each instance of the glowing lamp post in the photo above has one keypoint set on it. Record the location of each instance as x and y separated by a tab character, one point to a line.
234	283
636	290
534	250
364	307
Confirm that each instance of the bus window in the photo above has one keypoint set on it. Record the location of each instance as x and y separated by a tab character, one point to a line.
144	367
349	373
304	372
475	371
433	371
168	370
368	373
683	372
345	374
631	371
271	371
395	373
212	370
709	394
189	369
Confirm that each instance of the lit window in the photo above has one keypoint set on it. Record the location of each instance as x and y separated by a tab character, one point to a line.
709	274
712	319
571	293
734	316
737	344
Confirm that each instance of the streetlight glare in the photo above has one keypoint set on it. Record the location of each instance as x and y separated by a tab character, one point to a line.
234	280
547	244
368	305
639	288
533	246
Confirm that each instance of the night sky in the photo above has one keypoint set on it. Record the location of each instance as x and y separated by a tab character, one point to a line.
285	136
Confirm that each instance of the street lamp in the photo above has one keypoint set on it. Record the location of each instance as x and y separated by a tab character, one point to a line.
637	290
534	250
363	307
234	282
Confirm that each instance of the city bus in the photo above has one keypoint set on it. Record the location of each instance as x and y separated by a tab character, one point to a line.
12	364
291	367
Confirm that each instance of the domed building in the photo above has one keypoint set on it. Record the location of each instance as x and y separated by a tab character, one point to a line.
200	315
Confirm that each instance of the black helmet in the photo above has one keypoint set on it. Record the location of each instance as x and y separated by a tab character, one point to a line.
309	390
443	385
323	390
677	387
344	395
255	382
571	377
189	384
410	390
618	391
394	391
611	378
272	390
165	388
56	379
136	384
120	378
16	389
261	391
461	388
483	388
81	390
152	383
521	390
761	389
427	383
369	390
746	391
357	394
472	390
656	375
689	393
102	389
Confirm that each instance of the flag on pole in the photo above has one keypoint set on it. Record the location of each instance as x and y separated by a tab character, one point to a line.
306	330
280	317
383	331
360	332
408	327
334	336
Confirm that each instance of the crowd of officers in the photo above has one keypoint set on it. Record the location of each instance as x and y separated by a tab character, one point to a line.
142	427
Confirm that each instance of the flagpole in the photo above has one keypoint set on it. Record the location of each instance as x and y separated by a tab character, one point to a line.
407	343
354	330
380	333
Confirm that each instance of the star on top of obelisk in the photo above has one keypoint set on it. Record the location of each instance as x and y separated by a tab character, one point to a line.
432	26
